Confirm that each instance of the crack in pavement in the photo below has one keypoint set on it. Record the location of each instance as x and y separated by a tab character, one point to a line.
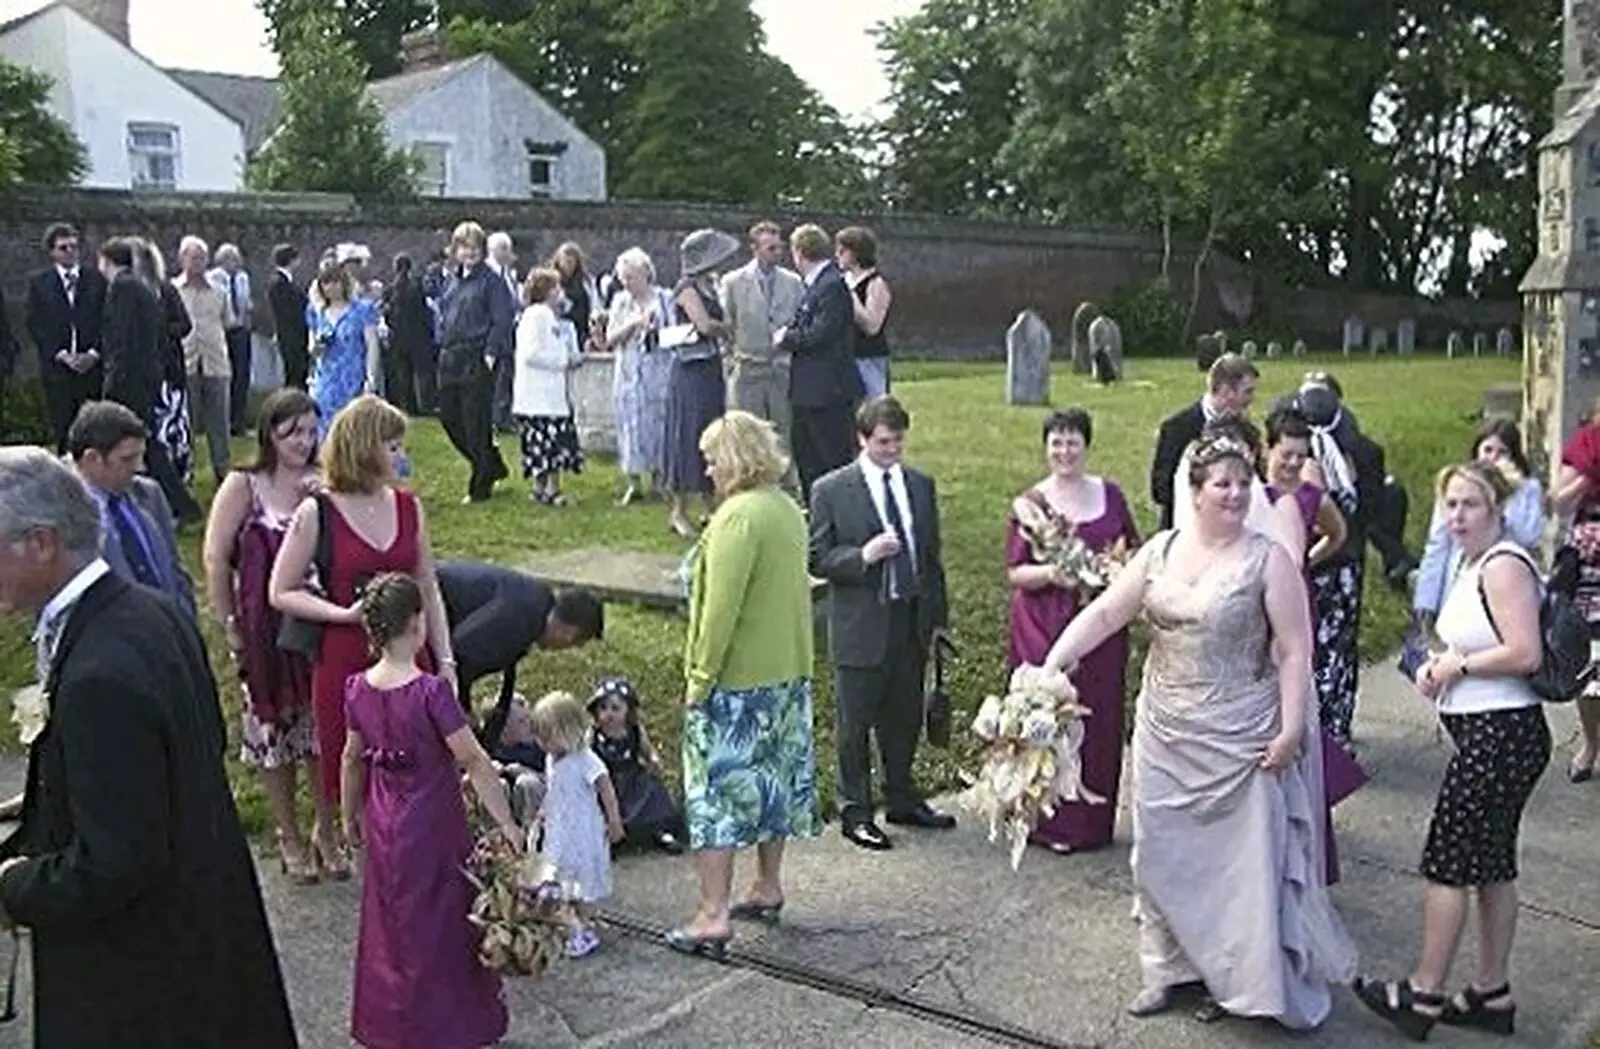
678	1011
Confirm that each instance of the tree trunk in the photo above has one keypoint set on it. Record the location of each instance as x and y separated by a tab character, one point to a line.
1166	245
1200	260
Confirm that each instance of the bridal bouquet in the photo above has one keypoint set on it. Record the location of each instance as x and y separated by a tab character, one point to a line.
1032	737
1054	541
521	908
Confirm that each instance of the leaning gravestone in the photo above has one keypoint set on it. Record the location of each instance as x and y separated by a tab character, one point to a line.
1353	335
1083	319
1028	360
1274	350
1405	337
1248	348
1504	342
1105	349
1206	351
1299	348
1480	342
1455	345
1378	340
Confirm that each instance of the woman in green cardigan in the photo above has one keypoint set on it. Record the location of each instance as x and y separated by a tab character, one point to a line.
748	771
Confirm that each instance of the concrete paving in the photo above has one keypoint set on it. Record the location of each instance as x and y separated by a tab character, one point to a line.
1049	948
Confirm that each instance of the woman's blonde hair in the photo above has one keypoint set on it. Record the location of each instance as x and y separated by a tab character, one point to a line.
636	259
1489	479
560	719
331	272
353	456
470	233
540	283
743	451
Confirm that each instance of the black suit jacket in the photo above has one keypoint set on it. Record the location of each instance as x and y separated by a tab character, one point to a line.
139	889
843	520
131	343
822	340
496	613
288	303
1177	432
51	319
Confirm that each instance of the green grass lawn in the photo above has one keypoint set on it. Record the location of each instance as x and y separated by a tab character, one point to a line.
981	453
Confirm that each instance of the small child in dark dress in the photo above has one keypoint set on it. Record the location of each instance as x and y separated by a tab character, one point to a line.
649	813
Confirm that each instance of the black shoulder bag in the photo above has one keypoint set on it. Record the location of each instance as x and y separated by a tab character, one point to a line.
1564	665
303	636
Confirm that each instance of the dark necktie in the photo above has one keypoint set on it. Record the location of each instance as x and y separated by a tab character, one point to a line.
136	548
766	284
902	569
70	281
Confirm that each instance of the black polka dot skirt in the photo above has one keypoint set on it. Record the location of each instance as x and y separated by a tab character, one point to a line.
1500	755
549	445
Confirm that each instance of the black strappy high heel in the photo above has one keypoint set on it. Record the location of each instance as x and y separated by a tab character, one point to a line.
1478	1015
1401	1010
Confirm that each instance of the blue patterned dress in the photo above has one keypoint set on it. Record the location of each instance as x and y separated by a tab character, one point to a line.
643	371
340	348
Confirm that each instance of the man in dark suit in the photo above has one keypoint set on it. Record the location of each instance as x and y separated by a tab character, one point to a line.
1231	386
823	382
497	615
288	302
130	869
132	334
62	314
107	445
875	539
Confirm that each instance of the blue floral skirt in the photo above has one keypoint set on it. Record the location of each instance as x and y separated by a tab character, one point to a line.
749	770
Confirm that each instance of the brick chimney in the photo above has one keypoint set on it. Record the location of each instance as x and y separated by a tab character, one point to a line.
110	15
422	49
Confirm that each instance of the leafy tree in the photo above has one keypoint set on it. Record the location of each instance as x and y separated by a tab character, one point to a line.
331	137
374	27
954	92
36	146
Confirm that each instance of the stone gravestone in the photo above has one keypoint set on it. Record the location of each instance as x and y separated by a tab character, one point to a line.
1222	340
1028	360
1299	348
1480	342
1083	319
1354	334
1505	343
1378	340
1248	348
1405	337
1274	350
1105	349
1455	345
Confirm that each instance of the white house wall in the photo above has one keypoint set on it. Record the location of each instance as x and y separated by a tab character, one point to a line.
102	87
485	115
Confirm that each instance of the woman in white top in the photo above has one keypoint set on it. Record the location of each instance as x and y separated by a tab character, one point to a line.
1490	623
541	402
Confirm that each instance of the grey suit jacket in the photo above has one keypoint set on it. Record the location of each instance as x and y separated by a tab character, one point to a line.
843	520
751	318
163	532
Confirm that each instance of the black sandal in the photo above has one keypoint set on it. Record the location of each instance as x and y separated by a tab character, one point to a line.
1397	1001
1209	1010
1477	1013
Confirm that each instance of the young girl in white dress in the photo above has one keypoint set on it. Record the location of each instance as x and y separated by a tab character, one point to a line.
580	815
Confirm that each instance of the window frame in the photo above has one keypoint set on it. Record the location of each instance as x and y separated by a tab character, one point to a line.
140	155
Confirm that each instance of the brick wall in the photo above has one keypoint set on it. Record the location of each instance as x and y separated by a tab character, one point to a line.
957	284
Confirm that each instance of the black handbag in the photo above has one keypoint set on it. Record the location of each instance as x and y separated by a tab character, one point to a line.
936	714
1565	667
304	636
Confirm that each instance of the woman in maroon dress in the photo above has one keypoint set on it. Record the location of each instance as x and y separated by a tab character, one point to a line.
1041	606
377	528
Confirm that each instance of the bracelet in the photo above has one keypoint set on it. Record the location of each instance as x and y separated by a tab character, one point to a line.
447	661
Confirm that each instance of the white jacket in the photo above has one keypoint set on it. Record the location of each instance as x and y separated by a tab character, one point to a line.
547	350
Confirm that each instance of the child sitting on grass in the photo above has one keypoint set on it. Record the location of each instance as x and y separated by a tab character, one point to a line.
649	813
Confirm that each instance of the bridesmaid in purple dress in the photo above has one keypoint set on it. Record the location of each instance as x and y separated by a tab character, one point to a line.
1041	607
418	981
1288	465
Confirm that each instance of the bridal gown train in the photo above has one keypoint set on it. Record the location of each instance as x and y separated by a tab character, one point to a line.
1227	859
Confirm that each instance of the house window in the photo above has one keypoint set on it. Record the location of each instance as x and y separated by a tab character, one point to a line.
542	157
433	174
153	156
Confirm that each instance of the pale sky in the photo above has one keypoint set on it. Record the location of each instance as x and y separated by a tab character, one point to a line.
826	41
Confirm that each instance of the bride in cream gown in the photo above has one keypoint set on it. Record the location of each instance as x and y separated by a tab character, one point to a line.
1227	861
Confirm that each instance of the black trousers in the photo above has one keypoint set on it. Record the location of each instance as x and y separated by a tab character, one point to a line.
821	439
65	391
464	409
883	701
399	385
239	382
296	368
1389	527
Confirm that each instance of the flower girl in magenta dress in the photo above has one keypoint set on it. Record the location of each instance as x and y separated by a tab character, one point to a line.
418	982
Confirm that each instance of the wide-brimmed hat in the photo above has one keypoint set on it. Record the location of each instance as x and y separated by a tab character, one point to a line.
348	252
706	249
617	688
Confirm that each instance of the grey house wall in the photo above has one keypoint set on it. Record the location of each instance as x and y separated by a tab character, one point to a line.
487	116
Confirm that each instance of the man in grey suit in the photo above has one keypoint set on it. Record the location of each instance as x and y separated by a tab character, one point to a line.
106	443
759	299
875	539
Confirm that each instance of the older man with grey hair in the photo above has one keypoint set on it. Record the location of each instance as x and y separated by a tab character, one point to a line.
503	261
130	869
207	360
233	281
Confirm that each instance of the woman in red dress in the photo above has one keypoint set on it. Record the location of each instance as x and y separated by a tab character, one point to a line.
376	527
1041	606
